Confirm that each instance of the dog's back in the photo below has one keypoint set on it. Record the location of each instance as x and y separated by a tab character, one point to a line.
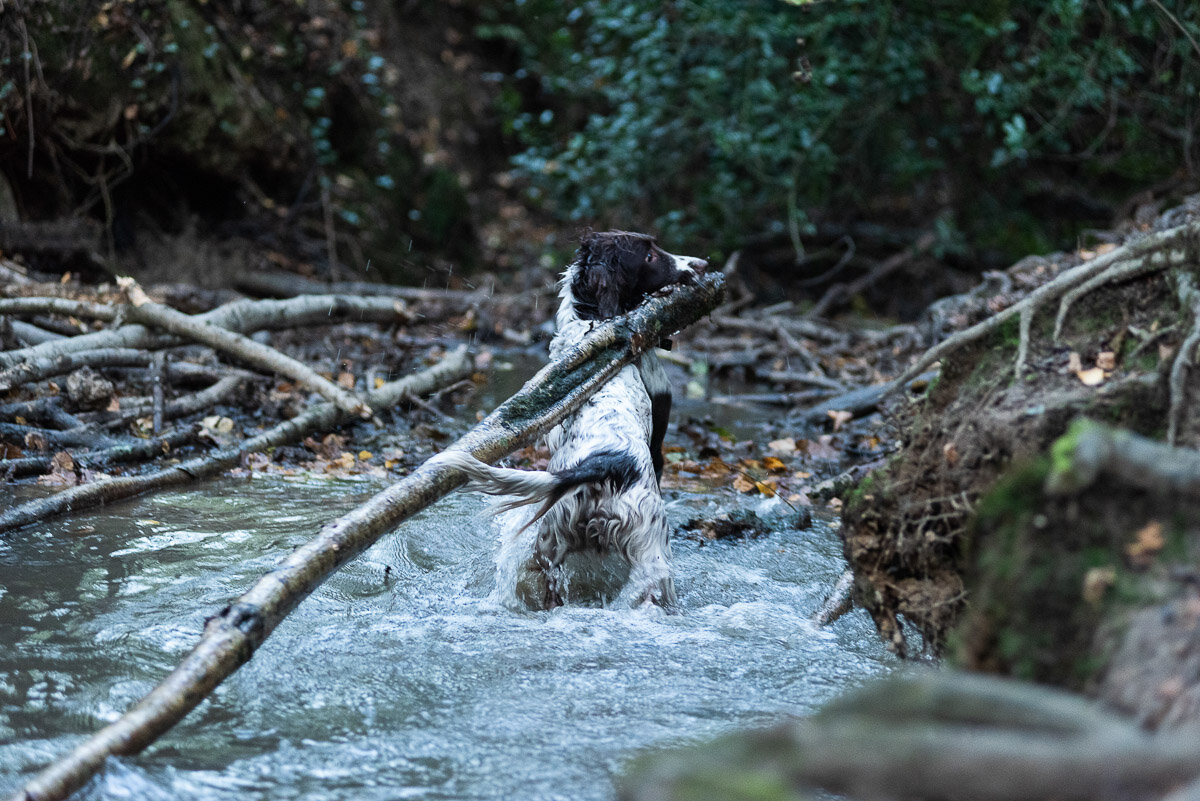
623	511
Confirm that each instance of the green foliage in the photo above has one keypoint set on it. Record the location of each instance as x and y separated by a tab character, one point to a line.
278	109
720	120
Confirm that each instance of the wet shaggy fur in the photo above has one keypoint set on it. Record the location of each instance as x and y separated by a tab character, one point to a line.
600	490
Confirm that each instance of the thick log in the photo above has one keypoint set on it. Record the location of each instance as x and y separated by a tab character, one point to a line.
231	637
932	736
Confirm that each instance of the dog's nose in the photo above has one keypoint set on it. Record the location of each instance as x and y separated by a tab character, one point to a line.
698	266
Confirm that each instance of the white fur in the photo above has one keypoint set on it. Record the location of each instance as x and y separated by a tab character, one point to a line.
630	522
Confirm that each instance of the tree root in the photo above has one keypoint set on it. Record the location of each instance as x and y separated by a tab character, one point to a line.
1155	251
1089	449
1189	298
232	635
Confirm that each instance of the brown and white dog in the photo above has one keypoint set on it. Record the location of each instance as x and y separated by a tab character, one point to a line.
600	492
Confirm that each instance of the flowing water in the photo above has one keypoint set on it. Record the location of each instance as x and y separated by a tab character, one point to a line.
402	676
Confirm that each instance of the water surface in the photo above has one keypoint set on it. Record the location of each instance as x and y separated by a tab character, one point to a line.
402	676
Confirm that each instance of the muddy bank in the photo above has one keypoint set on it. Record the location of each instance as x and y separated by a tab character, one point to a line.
971	536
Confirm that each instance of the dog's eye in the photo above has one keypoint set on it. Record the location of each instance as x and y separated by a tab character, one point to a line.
651	257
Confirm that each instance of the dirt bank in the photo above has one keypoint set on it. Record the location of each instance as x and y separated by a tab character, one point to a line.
972	535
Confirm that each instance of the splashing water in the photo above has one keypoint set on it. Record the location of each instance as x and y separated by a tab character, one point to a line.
413	672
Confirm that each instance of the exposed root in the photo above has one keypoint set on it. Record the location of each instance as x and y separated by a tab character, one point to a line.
1122	270
1152	252
1189	298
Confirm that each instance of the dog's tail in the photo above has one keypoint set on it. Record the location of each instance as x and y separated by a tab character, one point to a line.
534	486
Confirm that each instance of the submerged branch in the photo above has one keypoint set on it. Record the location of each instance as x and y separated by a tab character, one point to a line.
231	637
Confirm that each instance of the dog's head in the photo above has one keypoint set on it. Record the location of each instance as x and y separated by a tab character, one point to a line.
614	270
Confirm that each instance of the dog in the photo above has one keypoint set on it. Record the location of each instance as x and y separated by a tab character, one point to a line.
600	492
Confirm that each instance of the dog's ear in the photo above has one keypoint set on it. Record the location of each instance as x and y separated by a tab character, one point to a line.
597	280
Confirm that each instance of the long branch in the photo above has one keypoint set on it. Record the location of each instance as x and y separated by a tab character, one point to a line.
231	637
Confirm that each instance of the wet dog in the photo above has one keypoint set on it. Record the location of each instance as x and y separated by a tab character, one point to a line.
600	491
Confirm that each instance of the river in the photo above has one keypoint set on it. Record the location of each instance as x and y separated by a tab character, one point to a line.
407	674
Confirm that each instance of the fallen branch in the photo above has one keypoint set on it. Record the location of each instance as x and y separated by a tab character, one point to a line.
49	437
839	601
287	285
231	637
45	409
50	366
33	335
64	306
933	736
28	372
861	401
200	401
322	416
241	316
135	451
148	312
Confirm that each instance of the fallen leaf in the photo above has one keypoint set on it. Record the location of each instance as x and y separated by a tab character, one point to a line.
774	465
1096	583
743	484
1106	360
819	448
217	424
1092	377
364	456
62	472
1147	542
785	446
839	418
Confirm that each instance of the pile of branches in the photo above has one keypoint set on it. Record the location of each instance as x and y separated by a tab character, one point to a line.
71	368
